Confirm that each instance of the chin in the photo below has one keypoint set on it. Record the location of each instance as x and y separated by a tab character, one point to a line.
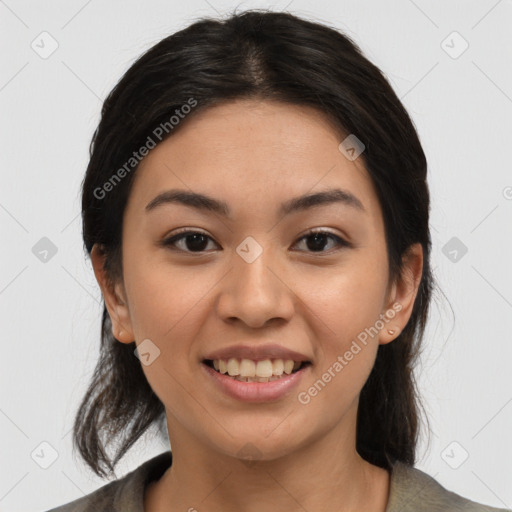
253	445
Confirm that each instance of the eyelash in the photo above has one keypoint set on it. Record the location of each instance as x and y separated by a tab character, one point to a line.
181	235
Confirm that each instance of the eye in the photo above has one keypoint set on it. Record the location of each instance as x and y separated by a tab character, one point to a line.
197	241
194	241
318	240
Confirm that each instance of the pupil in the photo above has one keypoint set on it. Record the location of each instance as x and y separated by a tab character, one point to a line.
194	245
318	239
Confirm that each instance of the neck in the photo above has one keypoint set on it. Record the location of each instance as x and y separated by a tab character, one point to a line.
327	474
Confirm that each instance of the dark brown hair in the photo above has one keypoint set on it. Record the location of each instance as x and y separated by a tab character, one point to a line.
275	56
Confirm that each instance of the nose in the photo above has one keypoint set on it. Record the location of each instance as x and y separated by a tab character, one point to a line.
255	293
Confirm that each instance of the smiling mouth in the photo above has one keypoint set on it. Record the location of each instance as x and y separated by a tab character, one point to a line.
246	370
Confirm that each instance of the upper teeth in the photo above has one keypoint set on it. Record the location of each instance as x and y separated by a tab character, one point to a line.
249	368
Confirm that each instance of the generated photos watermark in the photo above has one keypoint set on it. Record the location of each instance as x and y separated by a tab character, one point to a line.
158	133
304	397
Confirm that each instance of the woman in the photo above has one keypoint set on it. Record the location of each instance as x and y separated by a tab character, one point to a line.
256	212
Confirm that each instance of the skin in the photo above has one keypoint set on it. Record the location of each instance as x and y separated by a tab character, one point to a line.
255	155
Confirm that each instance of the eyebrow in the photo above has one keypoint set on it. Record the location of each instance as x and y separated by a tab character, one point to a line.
301	203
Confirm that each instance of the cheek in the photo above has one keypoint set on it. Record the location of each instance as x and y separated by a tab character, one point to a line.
347	299
166	308
161	296
346	304
334	391
346	346
169	305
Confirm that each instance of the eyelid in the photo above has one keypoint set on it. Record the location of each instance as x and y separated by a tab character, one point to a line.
327	231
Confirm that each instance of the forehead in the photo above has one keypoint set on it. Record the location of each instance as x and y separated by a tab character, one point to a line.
253	154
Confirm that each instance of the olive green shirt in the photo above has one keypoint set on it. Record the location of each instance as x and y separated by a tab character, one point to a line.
411	490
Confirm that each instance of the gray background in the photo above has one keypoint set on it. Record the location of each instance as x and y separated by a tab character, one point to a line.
50	310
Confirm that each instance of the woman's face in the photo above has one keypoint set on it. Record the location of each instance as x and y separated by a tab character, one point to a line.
252	278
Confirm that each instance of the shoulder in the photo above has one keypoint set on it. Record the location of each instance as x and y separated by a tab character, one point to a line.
412	489
123	495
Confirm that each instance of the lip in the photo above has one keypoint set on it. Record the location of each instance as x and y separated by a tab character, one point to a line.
256	392
257	353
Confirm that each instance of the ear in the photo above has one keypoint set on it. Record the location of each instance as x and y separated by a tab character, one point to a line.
400	301
115	298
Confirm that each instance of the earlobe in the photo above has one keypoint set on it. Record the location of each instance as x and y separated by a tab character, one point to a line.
403	294
114	296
